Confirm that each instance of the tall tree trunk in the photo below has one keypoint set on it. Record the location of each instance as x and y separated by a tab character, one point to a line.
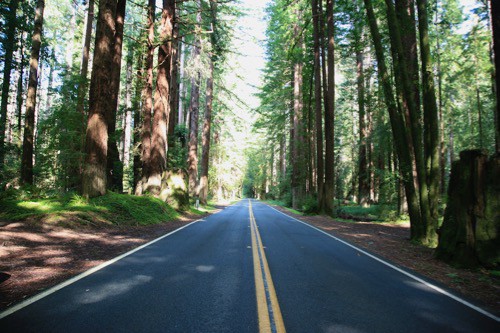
174	85
181	92
20	89
298	128
114	167
397	124
330	115
9	46
127	125
29	125
431	123
194	113
317	104
410	107
363	185
82	85
205	141
363	177
495	28
159	141
136	102
100	104
147	101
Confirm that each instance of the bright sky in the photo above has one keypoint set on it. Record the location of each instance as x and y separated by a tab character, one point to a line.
249	41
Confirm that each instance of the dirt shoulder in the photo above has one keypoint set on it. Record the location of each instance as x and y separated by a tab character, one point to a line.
392	242
35	256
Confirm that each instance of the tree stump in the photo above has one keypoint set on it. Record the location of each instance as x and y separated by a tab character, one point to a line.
469	234
174	189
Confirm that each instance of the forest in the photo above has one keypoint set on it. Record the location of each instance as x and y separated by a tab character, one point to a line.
383	107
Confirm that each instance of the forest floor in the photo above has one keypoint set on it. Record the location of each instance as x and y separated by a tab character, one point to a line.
35	255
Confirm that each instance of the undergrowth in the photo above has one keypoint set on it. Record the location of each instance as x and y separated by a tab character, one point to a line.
112	208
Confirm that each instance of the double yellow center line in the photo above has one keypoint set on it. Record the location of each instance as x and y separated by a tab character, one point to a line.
268	309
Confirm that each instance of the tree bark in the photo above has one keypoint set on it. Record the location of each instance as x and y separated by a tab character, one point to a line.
205	141
298	132
174	84
317	104
100	104
114	167
363	178
127	134
9	46
431	123
147	101
495	28
29	124
194	113
397	124
159	140
329	188
82	86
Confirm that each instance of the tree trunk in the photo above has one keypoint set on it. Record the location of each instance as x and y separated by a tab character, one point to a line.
329	188
147	101
431	123
174	85
363	185
114	168
317	104
127	135
159	141
9	45
29	125
100	104
469	234
82	86
495	28
298	132
20	88
205	141
397	124
136	102
194	113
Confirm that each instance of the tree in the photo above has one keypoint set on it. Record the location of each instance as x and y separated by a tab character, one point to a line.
194	111
318	113
29	126
161	100
147	101
100	103
329	186
431	123
9	46
495	28
114	167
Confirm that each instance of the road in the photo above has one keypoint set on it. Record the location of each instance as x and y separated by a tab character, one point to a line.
248	268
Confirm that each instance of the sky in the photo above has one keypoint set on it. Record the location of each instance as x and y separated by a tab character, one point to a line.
249	43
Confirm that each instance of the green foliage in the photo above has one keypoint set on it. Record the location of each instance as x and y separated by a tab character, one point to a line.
112	208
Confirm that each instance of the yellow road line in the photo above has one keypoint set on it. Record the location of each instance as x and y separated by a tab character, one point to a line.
270	318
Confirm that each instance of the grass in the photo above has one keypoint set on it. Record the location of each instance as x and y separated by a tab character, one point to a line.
112	208
282	204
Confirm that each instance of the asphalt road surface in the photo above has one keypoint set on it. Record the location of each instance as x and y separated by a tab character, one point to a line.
248	268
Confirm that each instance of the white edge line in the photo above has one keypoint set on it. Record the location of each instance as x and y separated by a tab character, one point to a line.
74	279
428	284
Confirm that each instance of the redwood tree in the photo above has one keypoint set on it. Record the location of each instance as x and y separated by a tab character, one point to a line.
114	167
29	124
9	45
161	100
147	101
100	103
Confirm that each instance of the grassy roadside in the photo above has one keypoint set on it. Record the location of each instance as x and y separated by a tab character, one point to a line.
72	209
351	213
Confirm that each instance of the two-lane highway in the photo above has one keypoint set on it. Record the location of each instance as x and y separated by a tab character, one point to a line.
245	269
